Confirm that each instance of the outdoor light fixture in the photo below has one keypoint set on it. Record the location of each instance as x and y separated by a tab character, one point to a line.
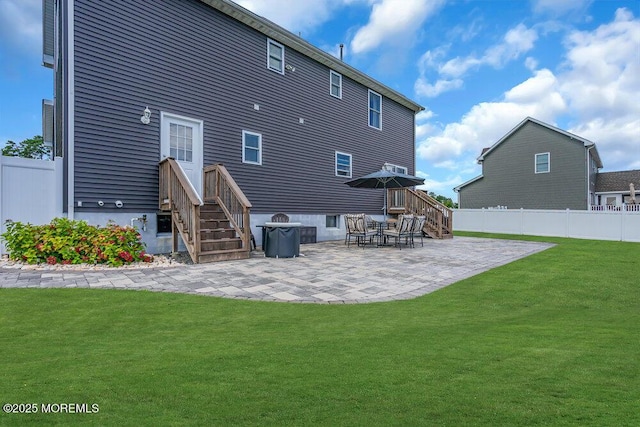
146	118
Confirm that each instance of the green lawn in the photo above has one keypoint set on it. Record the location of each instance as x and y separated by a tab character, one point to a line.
553	339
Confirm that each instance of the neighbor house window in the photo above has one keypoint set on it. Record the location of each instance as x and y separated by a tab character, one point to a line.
251	148
275	56
335	81
375	110
543	164
332	221
343	164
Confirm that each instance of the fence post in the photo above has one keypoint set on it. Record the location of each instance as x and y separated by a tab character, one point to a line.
567	234
622	221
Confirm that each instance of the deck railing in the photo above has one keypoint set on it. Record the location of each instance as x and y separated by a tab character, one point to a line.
438	217
178	196
220	187
627	207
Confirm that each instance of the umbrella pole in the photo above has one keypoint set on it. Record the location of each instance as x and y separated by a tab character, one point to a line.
384	208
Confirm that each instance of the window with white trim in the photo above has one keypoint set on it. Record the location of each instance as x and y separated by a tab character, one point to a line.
275	56
375	110
395	168
251	148
543	163
332	221
335	82
343	164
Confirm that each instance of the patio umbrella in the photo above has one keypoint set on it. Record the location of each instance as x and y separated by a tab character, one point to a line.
385	179
632	192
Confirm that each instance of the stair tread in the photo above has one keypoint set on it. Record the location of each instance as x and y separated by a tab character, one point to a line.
221	251
223	239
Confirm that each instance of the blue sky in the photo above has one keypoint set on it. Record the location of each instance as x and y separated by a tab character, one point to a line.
479	67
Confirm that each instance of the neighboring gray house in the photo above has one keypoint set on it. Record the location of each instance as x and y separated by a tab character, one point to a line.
208	82
534	166
613	189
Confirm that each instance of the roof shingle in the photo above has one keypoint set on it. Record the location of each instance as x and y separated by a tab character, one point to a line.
617	181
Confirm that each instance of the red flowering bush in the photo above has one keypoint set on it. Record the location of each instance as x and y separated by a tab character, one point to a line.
74	242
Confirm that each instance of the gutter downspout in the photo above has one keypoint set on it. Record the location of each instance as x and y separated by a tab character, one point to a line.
588	168
70	112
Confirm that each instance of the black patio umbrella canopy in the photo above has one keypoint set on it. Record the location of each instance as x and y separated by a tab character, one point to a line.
385	179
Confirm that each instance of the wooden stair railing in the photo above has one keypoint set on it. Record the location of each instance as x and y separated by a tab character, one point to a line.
439	218
221	188
178	196
215	229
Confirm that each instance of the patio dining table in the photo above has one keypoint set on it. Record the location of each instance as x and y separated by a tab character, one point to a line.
381	226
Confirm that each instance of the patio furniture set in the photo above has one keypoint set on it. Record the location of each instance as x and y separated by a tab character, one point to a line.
367	230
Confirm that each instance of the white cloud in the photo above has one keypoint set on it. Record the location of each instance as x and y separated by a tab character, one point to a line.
393	21
515	42
438	186
423	88
487	122
597	90
21	25
602	88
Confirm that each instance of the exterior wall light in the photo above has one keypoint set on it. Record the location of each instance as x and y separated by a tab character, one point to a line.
146	118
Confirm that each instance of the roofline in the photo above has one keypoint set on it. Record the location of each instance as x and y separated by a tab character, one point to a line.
296	43
464	184
587	144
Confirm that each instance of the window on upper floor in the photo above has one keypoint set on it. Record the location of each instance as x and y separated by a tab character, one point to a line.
395	168
543	163
335	82
251	148
375	110
343	164
275	56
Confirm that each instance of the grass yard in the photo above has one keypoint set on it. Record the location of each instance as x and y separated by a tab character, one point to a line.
553	339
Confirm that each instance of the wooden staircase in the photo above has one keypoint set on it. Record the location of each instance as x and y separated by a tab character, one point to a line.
214	229
438	222
218	240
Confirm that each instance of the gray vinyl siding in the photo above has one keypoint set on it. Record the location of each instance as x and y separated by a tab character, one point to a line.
188	59
509	177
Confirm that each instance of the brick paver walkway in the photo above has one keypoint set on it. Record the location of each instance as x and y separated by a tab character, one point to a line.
326	272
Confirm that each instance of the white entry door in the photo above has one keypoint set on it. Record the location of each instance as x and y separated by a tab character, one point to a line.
181	138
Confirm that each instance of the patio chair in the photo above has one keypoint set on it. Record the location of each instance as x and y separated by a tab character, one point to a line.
280	217
416	229
403	229
356	227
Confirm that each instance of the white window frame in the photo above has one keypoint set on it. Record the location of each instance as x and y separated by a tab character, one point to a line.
369	110
396	168
535	162
275	43
339	153
331	85
244	147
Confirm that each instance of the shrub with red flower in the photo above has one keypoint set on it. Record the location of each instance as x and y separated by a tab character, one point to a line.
74	242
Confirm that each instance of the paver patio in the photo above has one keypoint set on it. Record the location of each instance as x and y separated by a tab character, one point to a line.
326	272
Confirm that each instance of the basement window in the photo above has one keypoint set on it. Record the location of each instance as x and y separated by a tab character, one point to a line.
163	223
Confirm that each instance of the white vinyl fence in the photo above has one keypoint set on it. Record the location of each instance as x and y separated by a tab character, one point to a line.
623	225
30	191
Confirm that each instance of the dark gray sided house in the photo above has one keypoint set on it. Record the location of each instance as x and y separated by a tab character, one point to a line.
201	117
534	166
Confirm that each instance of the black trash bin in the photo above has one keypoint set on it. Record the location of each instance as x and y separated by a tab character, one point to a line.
281	240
